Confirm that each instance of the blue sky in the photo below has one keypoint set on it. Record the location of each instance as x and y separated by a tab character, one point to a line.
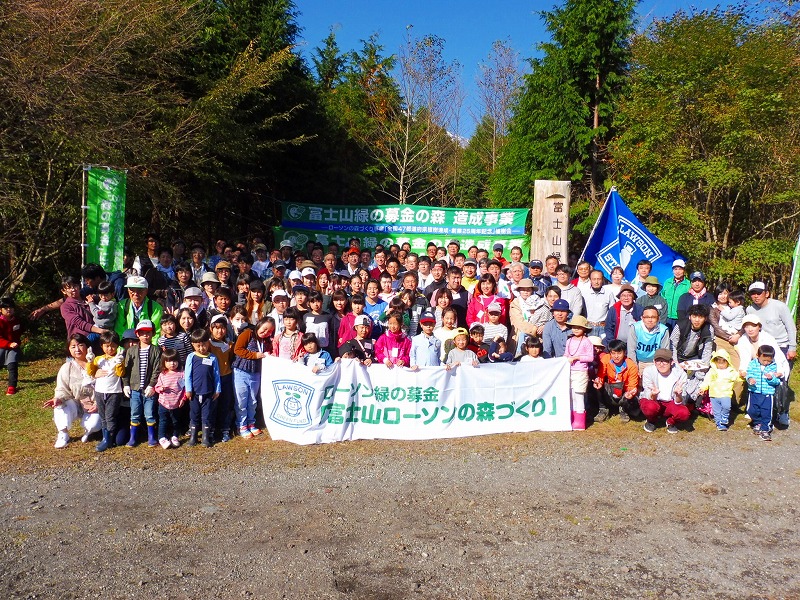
469	28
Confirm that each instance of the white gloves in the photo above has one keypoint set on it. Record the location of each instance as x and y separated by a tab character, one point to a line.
127	391
149	391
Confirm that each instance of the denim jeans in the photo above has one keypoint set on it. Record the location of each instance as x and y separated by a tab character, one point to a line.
166	417
722	410
247	386
142	408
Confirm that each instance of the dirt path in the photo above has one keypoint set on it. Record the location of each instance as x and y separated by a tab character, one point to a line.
620	514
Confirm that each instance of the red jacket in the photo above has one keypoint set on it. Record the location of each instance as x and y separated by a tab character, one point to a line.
10	331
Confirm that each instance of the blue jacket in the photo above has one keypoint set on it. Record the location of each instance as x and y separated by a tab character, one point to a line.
612	319
762	385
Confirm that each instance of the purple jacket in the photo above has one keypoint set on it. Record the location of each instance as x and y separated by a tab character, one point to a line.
77	317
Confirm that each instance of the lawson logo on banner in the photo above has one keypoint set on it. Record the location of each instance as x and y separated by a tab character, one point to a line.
620	240
292	403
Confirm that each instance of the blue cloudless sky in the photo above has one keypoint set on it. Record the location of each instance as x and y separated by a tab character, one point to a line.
469	28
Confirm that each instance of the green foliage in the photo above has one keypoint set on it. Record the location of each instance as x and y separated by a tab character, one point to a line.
562	119
707	150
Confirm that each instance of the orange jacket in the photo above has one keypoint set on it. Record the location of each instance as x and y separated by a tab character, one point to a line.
629	375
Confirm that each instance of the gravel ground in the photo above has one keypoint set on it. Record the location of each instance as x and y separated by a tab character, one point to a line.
609	513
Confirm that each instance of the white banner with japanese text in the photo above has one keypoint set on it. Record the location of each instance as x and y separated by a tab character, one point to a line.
349	401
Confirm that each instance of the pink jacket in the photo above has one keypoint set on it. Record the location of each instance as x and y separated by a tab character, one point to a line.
480	304
394	346
583	349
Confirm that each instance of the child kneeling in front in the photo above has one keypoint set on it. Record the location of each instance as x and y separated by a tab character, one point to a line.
203	387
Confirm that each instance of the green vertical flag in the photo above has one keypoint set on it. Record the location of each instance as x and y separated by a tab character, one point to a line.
105	221
794	282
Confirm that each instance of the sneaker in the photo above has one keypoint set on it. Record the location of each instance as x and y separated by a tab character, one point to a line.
175	441
62	440
85	437
783	419
747	416
164	443
625	418
721	427
11	390
226	436
765	436
649	427
246	433
602	415
756	429
255	430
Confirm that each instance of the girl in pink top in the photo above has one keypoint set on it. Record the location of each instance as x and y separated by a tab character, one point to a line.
580	354
170	389
393	348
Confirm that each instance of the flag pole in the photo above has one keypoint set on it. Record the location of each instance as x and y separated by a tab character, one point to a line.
84	208
794	282
599	216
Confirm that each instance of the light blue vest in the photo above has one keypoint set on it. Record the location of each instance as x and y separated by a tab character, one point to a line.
647	343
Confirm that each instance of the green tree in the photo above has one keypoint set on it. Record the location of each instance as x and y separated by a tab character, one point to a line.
709	149
562	119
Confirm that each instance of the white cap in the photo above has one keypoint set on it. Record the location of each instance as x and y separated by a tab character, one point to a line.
192	291
135	281
757	285
286	244
307	271
754	319
679	262
295	274
362	320
278	293
218	318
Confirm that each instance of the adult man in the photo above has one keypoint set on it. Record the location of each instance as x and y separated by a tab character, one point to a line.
643	268
366	259
212	262
468	279
514	274
597	300
568	291
692	344
674	289
197	264
645	337
393	269
138	307
662	393
540	282
459	294
498	255
424	272
556	332
551	264
430	250
453	246
583	271
412	261
623	315
353	258
438	282
380	264
409	282
173	295
286	247
697	294
494	266
775	317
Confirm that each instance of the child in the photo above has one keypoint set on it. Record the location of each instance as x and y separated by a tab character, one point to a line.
360	347
10	332
280	302
104	312
476	343
732	315
426	348
170	389
394	346
107	369
300	302
618	378
142	363
498	351
719	381
461	355
316	321
346	331
288	344
314	356
173	339
223	351
447	331
494	328
580	354
533	349
763	379
203	387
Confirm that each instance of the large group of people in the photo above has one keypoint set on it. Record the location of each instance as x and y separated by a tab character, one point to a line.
173	344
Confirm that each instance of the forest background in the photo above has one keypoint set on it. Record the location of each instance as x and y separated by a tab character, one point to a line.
218	118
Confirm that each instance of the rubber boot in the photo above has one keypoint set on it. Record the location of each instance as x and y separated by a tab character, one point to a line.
132	441
192	436
152	439
105	444
207	433
226	435
120	437
578	421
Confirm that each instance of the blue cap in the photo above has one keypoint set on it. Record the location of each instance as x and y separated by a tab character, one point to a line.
560	304
427	315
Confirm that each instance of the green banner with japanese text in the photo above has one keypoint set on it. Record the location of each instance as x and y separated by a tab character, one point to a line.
393	224
105	218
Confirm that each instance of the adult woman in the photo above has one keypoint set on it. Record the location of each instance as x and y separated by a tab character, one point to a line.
75	312
722	339
255	305
187	320
73	396
252	345
374	307
617	277
483	295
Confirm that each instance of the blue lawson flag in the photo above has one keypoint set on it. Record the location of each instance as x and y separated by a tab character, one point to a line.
619	239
